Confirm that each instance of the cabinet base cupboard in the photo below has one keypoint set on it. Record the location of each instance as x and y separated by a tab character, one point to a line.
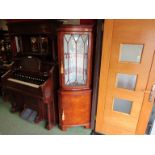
74	108
75	65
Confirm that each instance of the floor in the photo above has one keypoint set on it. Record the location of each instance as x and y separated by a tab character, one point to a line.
12	124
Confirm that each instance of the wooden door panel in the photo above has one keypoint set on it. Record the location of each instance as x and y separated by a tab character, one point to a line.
134	33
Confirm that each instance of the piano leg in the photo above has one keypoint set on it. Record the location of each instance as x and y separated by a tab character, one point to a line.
13	110
49	124
14	107
15	101
40	115
38	119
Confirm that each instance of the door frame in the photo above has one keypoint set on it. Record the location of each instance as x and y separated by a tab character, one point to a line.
96	68
146	108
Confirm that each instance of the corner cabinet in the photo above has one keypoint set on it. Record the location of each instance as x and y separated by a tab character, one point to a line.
75	47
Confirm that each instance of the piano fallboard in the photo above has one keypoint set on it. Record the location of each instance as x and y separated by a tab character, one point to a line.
23	83
21	86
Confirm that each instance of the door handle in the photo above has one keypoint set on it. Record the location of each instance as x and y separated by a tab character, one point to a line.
63	116
62	68
152	94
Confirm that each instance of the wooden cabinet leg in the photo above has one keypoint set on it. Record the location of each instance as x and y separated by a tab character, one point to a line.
63	128
87	126
38	119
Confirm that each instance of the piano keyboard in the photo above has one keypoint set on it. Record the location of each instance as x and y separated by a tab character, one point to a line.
5	73
23	82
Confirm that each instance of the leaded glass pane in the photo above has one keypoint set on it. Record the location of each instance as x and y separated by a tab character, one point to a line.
75	59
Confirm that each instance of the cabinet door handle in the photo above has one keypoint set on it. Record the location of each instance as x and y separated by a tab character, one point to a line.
62	68
63	115
152	94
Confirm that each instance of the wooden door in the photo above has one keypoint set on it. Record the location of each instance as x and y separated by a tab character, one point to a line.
126	76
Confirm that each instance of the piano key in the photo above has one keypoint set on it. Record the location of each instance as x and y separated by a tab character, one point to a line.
23	82
5	74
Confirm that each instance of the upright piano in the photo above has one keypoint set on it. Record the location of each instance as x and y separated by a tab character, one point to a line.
30	87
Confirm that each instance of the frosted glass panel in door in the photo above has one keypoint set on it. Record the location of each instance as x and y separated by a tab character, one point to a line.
130	53
75	59
126	81
122	105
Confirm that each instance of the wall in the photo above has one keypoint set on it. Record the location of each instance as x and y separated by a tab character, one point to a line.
3	25
66	21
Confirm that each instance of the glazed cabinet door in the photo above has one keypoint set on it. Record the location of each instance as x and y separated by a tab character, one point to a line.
75	59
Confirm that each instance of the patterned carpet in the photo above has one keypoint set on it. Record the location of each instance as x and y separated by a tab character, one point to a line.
12	124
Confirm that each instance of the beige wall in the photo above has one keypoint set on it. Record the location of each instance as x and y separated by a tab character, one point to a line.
65	21
71	21
3	24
